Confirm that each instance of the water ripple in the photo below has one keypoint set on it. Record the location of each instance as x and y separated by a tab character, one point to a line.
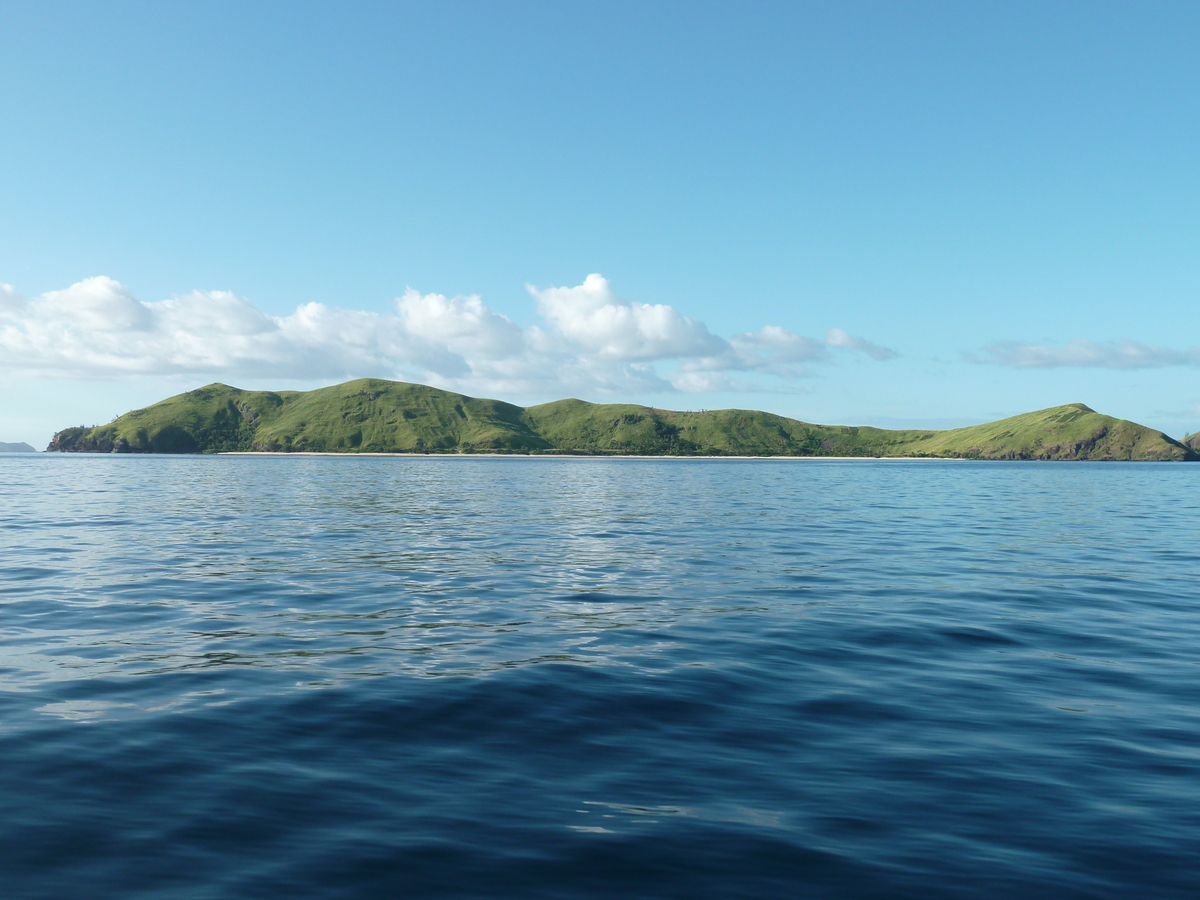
351	677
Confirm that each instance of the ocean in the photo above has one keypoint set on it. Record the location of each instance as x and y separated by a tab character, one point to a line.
361	677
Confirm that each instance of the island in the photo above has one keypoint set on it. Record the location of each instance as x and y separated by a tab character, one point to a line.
20	447
372	415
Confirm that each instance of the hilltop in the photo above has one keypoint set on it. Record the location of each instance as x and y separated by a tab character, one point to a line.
20	447
373	415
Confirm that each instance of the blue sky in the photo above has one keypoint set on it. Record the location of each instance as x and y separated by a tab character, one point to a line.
868	213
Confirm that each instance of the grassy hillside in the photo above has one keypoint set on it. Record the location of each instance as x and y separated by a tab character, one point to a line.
372	415
622	428
367	415
1073	431
210	419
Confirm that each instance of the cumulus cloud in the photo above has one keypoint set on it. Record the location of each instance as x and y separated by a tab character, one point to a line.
591	341
462	324
592	316
1085	354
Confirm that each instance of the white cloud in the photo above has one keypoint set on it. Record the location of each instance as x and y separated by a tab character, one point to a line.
777	351
838	338
461	323
591	315
591	343
1086	354
779	345
11	303
700	382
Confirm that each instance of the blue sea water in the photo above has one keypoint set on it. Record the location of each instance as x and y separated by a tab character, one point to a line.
353	677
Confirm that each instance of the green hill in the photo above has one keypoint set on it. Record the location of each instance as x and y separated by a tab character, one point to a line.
367	415
372	415
1062	432
20	447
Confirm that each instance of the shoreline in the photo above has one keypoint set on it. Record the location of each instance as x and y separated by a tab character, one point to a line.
569	456
579	456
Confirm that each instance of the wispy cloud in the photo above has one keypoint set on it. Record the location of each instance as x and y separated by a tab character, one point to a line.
838	338
590	341
776	351
1085	354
